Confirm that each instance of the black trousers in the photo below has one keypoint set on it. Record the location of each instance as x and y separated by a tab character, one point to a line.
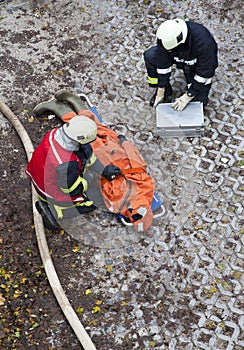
151	63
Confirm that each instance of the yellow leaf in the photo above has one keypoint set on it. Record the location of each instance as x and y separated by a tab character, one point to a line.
23	280
123	303
75	249
88	291
160	11
225	284
58	72
213	289
210	325
237	275
2	299
99	302
109	268
198	228
96	309
152	344
2	271
17	293
73	266
31	119
80	310
93	322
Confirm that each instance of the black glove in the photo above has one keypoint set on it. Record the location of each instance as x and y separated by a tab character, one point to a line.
110	171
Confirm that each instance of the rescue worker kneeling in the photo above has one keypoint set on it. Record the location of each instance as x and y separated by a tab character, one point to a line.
65	171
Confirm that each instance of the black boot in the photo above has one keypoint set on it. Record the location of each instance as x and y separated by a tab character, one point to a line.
153	98
71	98
48	218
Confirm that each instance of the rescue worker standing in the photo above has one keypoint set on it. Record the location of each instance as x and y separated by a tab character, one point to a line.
192	48
58	168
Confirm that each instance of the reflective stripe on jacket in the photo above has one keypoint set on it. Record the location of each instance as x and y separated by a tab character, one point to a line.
57	173
198	55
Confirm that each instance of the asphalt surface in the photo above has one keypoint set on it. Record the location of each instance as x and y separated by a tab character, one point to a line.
180	285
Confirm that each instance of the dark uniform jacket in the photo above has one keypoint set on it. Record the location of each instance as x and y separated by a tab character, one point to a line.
197	57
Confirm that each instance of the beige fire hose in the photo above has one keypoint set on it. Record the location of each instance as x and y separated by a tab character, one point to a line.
58	291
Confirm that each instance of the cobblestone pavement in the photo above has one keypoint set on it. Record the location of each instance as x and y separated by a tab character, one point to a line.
180	286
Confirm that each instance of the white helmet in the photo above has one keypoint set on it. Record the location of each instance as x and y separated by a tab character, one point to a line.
81	129
172	33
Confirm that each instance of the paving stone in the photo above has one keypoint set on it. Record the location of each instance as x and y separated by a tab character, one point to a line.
190	268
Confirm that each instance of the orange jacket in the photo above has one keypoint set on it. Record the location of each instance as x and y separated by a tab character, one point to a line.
132	192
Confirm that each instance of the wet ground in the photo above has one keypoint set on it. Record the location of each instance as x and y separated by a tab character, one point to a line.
180	285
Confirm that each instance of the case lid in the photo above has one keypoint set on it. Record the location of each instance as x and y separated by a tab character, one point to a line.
191	116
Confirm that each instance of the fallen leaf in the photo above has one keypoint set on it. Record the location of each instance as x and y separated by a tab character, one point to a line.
80	310
88	291
2	299
109	268
93	322
58	72
198	228
31	119
17	293
75	249
213	290
221	266
96	309
225	284
17	333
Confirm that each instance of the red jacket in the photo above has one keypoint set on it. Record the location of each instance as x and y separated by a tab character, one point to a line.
42	169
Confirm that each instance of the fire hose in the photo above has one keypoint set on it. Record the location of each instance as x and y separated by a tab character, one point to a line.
52	276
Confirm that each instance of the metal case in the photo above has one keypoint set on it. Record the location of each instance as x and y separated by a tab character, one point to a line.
188	123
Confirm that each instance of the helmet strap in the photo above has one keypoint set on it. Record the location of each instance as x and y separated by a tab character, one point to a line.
179	38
